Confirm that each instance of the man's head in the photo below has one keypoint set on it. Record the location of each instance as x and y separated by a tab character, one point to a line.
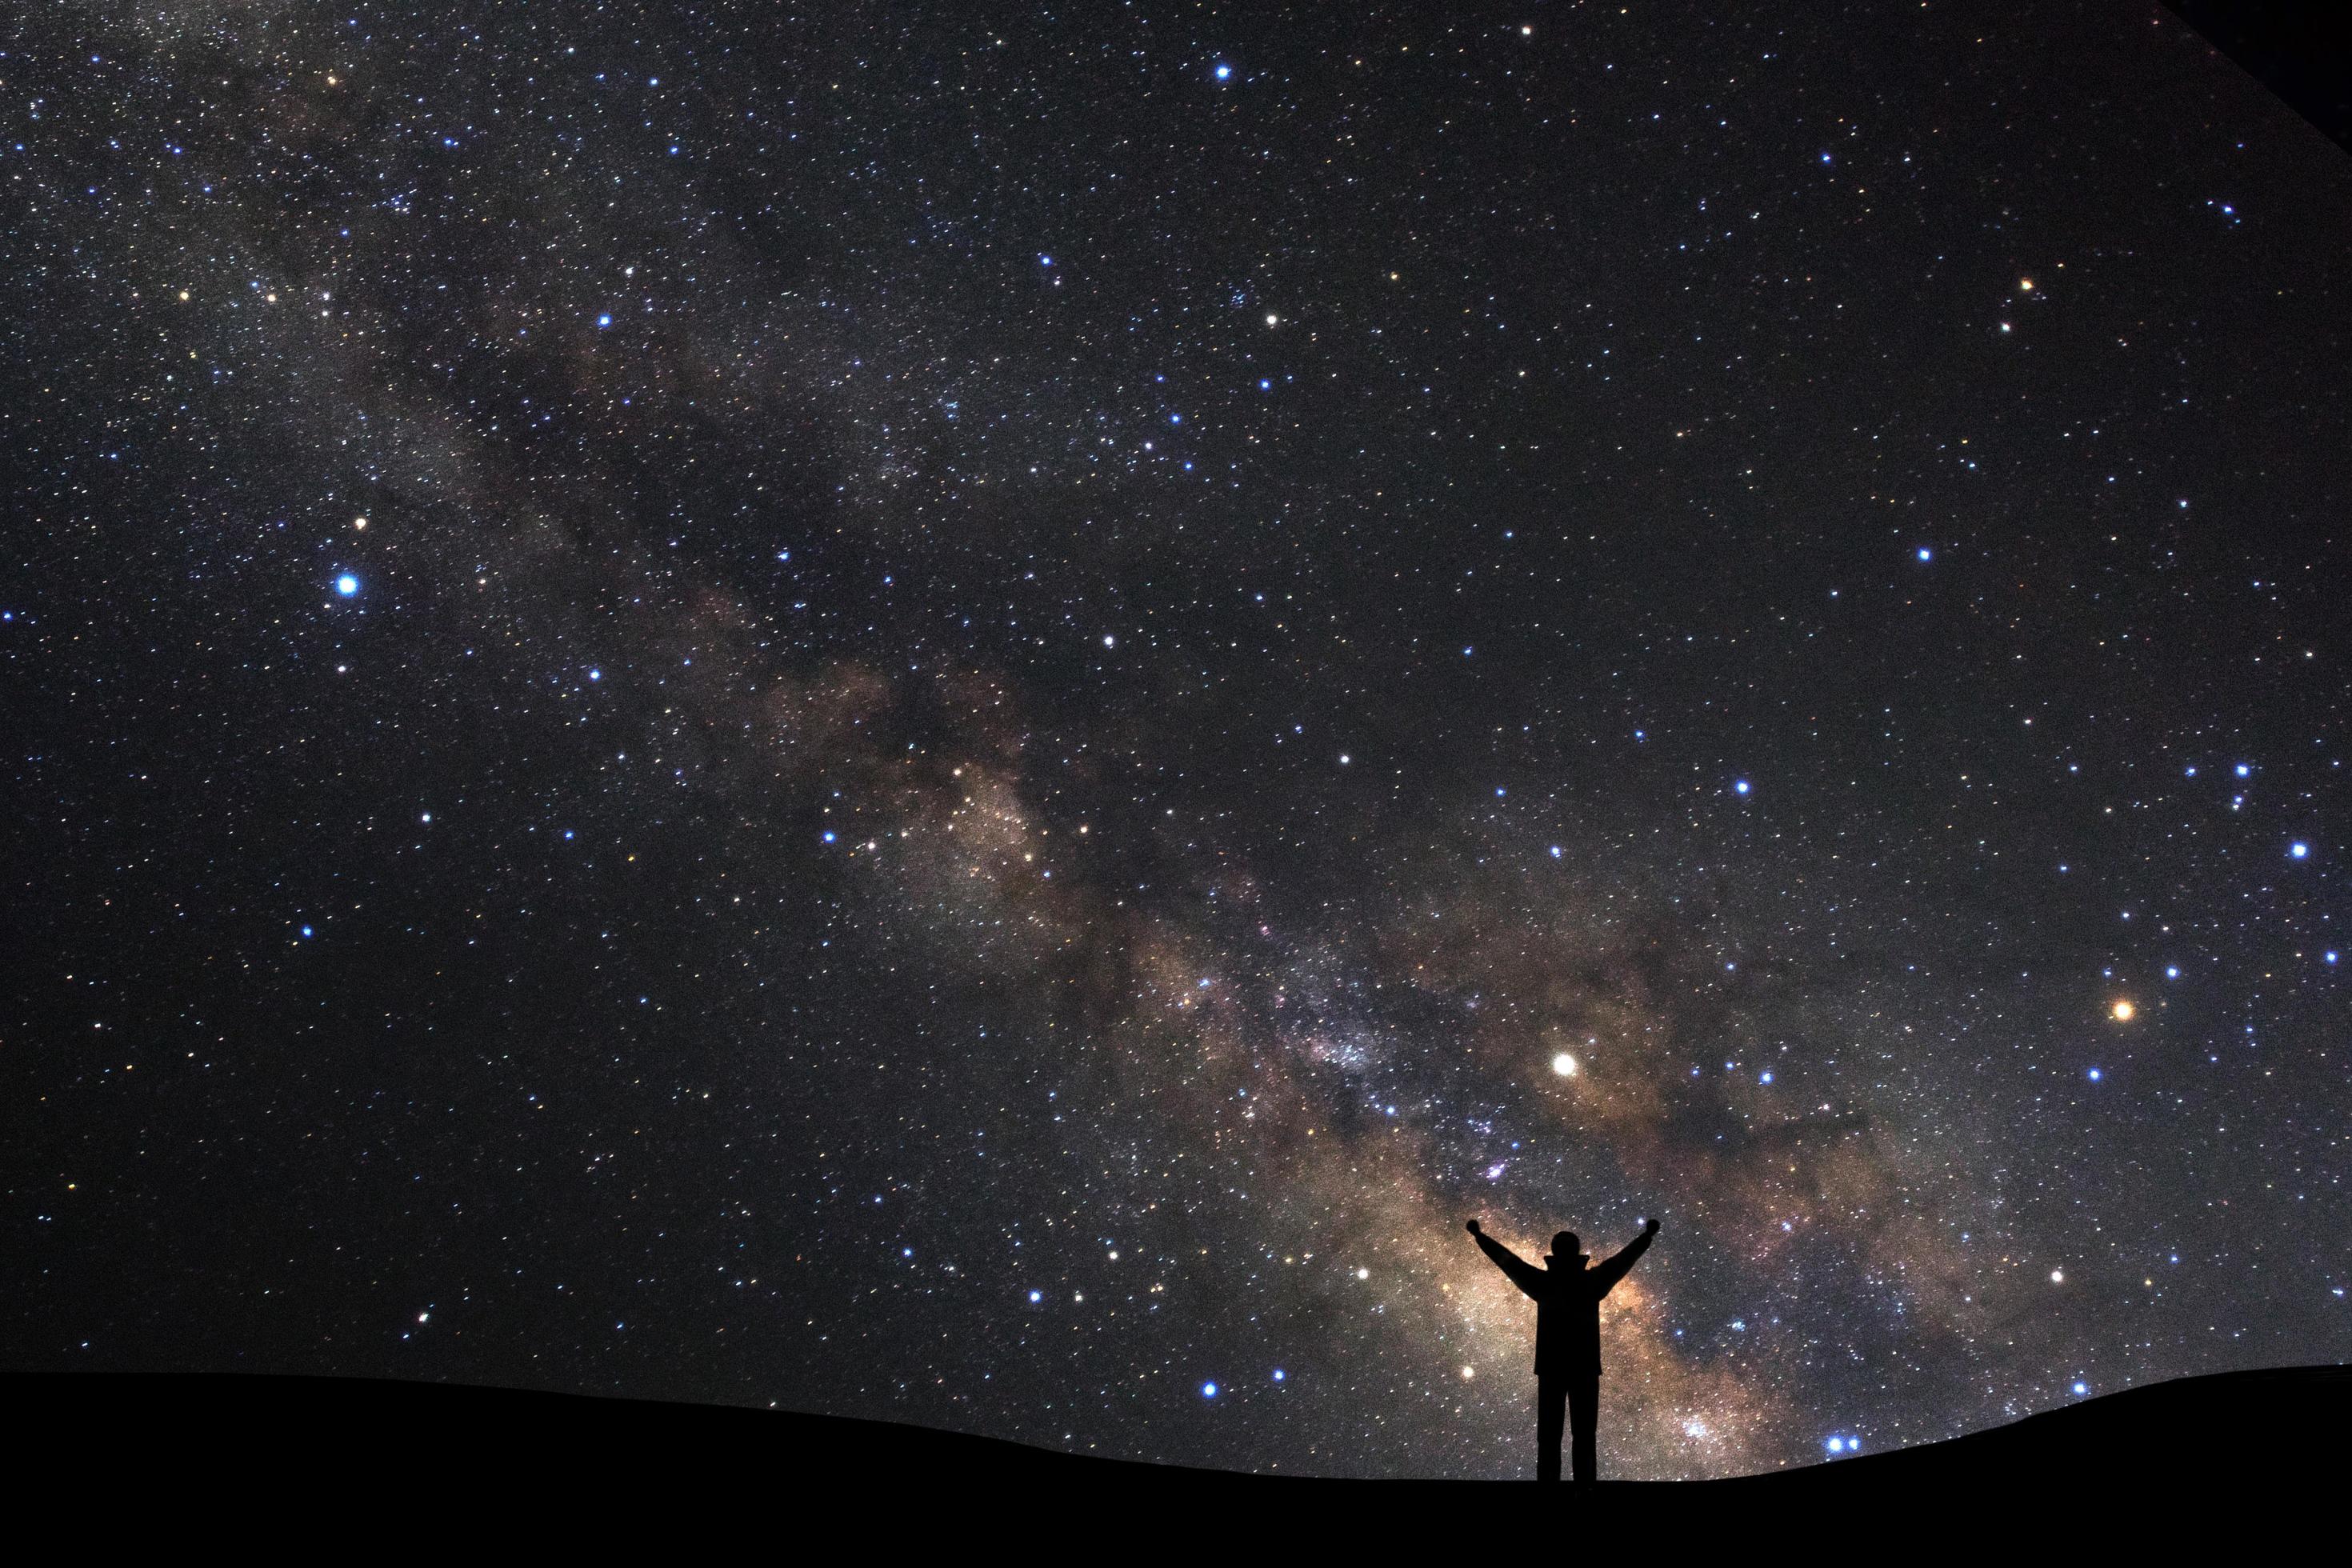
1567	1251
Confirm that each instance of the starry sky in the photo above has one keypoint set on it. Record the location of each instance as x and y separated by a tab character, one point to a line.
969	713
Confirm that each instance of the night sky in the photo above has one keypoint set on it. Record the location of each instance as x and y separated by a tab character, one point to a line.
969	713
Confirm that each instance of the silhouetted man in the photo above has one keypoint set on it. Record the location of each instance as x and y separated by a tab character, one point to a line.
1568	1336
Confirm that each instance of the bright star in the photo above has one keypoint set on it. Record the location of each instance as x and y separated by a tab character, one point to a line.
1564	1065
2298	849
347	585
1223	72
1208	1390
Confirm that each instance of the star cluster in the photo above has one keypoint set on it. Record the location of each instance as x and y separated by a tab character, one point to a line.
969	718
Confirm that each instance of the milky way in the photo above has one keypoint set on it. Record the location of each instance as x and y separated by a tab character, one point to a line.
969	718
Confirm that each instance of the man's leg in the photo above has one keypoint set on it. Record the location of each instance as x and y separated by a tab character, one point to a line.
1551	1406
1584	1411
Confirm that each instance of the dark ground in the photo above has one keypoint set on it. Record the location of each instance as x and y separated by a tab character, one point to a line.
355	1461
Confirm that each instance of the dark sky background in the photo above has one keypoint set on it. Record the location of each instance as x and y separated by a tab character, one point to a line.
951	712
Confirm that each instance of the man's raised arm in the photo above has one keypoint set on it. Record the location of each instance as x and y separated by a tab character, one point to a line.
1609	1273
1525	1275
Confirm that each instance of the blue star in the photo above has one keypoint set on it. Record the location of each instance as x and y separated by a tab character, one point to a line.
347	585
1925	553
1739	786
2298	849
1223	72
1208	1390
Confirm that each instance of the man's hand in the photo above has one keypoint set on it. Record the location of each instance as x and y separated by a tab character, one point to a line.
1649	1227
1473	1228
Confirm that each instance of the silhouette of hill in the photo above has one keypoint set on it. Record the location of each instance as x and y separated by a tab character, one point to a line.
336	1449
